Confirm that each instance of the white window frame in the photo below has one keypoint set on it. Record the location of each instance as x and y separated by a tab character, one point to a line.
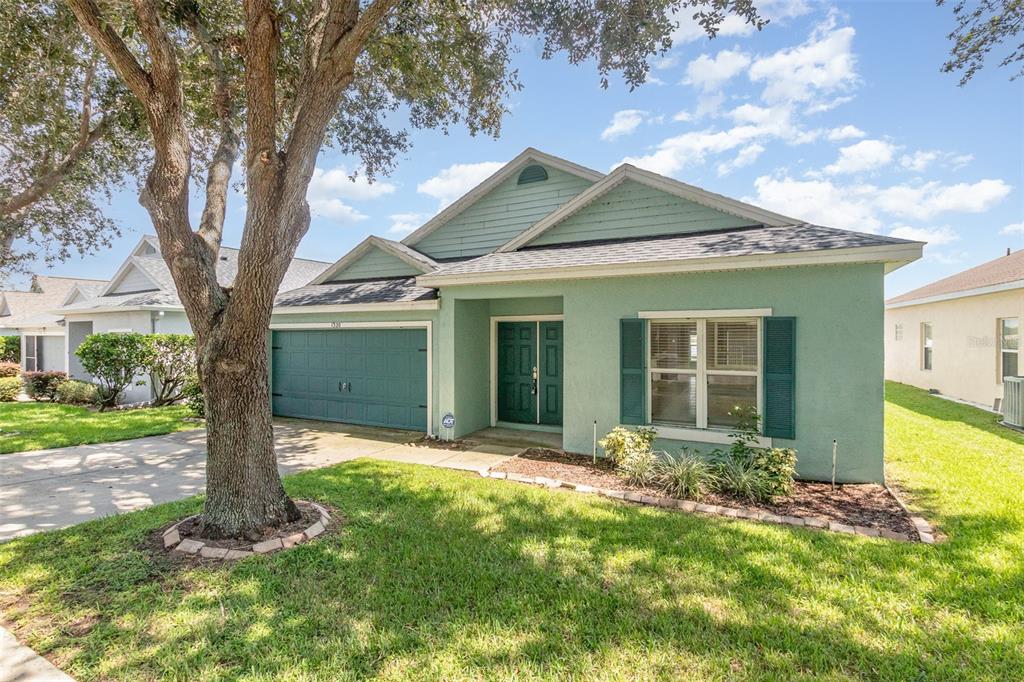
897	333
34	354
1000	373
927	364
702	432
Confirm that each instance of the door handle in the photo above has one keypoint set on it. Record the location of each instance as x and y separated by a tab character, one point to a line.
533	383
345	386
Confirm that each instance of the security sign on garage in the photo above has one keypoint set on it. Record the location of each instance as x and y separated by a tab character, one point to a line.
376	377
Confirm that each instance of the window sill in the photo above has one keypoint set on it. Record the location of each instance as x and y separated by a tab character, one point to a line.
703	435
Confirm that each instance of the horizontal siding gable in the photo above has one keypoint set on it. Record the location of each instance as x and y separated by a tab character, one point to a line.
375	264
500	215
133	280
634	210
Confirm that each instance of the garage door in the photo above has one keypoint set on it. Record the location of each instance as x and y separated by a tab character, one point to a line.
360	376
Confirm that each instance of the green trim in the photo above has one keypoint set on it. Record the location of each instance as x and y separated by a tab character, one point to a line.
633	368
780	377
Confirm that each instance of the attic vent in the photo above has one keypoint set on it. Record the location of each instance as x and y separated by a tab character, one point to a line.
532	173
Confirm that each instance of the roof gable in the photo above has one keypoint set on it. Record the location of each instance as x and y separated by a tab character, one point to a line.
1003	273
377	258
502	206
630	202
132	279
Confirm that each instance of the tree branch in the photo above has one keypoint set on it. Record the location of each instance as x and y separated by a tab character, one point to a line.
87	12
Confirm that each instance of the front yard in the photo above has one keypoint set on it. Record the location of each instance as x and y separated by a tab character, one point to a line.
39	426
441	575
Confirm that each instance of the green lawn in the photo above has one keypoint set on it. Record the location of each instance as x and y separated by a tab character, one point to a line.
443	575
37	426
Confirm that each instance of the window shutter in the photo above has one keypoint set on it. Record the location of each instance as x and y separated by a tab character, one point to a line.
780	377
632	364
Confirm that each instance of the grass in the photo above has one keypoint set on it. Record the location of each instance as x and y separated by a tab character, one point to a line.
38	426
442	575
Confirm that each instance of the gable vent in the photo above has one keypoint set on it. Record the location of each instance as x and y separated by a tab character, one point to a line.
534	173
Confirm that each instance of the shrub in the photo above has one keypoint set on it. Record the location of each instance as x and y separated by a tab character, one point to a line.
778	465
192	393
739	478
639	468
73	392
169	361
620	443
9	389
115	360
10	349
9	369
686	475
43	385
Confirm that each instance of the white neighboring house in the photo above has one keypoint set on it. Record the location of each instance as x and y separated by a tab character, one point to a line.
141	297
27	314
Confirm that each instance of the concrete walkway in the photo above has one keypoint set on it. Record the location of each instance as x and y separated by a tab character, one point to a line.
50	489
18	663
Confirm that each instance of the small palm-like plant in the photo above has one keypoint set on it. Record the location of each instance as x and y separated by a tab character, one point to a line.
686	475
639	467
742	480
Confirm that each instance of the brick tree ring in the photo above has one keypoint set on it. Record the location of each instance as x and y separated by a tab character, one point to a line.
198	546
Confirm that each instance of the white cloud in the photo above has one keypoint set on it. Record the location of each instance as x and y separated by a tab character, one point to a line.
404	223
457	179
623	123
823	65
1013	228
666	62
860	206
683	116
775	10
846	132
745	157
863	156
710	73
934	236
335	209
337	183
918	161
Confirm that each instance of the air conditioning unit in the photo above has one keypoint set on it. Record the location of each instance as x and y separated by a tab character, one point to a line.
1013	401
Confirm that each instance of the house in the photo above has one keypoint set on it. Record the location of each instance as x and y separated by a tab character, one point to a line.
553	297
960	335
26	314
141	297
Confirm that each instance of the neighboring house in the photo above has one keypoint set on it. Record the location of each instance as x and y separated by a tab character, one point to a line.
26	314
960	335
553	297
141	297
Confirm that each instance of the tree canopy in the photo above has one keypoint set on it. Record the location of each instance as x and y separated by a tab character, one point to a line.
982	26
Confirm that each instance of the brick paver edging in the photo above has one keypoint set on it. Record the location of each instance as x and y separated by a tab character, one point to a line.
172	540
730	512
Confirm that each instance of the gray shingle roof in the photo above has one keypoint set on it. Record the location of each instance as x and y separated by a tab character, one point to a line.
31	308
698	245
402	290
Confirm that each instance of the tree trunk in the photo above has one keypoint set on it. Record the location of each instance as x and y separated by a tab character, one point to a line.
244	494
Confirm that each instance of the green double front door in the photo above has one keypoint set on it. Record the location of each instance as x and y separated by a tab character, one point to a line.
529	369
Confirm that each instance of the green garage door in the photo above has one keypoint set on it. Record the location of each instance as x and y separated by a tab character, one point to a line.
360	376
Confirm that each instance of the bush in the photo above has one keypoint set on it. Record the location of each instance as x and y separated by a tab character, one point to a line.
74	392
686	475
10	387
740	479
170	360
10	349
43	385
639	468
115	360
9	369
620	443
192	393
778	466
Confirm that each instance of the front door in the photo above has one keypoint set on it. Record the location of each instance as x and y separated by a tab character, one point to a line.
529	380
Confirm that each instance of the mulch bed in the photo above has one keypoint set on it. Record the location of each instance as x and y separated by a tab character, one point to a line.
310	515
867	504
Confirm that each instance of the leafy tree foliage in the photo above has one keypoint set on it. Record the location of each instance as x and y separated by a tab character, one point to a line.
982	26
69	134
115	360
171	359
10	348
272	82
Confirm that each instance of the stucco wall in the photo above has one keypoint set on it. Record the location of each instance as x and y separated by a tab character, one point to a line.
839	370
965	353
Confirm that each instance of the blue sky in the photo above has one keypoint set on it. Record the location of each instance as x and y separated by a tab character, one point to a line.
835	113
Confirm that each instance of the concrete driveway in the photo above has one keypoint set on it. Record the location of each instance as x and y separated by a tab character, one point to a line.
49	489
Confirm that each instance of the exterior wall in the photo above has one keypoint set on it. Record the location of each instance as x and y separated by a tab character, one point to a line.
839	358
636	210
133	280
53	353
499	216
965	339
171	322
136	321
375	264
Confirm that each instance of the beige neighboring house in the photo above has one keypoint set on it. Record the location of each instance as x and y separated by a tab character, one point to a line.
27	314
960	335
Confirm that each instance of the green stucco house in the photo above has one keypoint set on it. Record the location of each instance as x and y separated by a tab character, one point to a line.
552	297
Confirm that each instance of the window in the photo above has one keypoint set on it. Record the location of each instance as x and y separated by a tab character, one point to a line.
926	345
701	370
33	353
898	332
1009	347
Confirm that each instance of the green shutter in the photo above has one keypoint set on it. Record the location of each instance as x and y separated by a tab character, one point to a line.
780	377
632	364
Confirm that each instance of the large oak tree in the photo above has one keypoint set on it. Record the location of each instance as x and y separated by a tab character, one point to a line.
272	81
